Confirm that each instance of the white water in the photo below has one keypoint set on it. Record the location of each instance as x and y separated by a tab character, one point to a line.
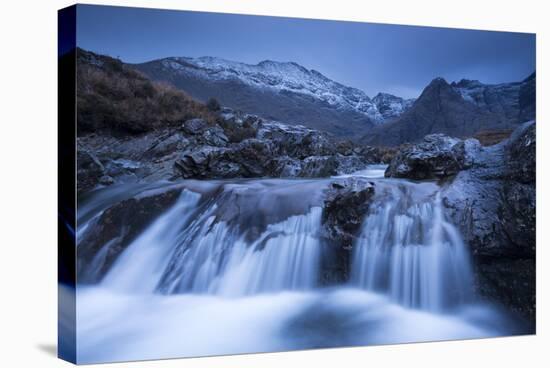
196	283
177	255
408	250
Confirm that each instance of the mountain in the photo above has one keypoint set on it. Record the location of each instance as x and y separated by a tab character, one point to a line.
390	106
459	109
283	91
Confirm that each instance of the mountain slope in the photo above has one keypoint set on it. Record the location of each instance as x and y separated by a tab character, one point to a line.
283	91
459	109
391	106
114	97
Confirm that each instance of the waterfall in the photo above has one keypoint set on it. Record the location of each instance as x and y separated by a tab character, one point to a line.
187	250
408	250
140	266
234	267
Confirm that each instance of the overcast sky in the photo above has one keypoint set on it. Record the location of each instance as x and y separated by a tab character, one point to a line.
373	57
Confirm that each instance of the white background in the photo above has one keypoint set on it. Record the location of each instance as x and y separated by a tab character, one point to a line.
28	248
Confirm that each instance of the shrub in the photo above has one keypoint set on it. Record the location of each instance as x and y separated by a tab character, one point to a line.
213	105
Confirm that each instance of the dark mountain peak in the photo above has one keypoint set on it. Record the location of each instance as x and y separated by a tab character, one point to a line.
437	82
438	89
467	83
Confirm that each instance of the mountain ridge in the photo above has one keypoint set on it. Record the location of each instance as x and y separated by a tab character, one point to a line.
283	91
459	109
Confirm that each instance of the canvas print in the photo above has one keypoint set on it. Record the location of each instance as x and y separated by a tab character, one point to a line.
236	184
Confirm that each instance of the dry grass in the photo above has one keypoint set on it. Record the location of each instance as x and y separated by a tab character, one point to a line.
491	137
112	96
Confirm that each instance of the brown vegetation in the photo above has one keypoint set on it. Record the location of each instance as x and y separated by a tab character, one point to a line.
491	137
114	97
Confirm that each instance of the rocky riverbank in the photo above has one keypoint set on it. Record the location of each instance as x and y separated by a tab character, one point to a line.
236	146
490	193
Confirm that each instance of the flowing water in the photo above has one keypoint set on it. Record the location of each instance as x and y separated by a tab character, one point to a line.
235	267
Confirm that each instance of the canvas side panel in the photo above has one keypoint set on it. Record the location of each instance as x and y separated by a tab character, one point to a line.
66	132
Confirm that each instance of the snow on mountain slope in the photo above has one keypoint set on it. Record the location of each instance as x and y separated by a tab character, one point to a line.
289	77
390	106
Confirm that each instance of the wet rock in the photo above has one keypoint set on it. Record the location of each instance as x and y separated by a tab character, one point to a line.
89	170
106	180
346	203
318	167
436	157
522	152
494	204
115	229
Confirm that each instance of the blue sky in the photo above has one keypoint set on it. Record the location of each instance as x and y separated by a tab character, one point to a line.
373	57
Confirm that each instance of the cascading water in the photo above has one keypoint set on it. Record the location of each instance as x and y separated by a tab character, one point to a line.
177	255
234	267
407	249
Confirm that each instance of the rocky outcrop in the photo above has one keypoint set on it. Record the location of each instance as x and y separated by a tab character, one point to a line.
115	229
89	170
493	202
436	157
346	203
237	146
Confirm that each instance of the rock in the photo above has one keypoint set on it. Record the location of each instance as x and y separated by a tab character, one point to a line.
350	164
194	126
346	148
238	126
346	203
528	99
106	180
318	167
436	157
115	229
285	167
493	202
523	151
196	163
89	170
214	136
167	145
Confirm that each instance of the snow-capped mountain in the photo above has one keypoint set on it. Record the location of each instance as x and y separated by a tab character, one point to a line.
284	91
279	76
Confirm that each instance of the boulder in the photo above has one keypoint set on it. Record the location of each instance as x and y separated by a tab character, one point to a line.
215	136
436	157
194	126
493	202
346	203
115	229
89	170
318	167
